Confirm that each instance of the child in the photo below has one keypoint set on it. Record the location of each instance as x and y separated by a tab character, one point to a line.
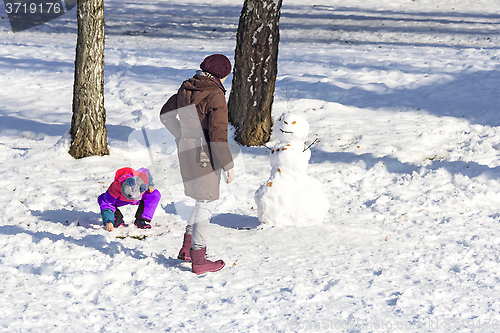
130	187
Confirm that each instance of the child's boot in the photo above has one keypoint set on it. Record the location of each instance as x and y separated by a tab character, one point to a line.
118	219
186	246
118	223
202	265
142	224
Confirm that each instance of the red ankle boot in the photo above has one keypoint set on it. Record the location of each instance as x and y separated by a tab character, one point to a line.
202	265
186	246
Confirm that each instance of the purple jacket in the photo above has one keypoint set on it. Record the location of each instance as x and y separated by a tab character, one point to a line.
112	198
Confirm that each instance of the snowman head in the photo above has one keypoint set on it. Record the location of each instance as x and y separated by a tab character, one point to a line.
291	127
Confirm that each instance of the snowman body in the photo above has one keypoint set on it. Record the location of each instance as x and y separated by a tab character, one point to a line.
291	197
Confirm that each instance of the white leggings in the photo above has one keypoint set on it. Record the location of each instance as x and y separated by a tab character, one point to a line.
197	223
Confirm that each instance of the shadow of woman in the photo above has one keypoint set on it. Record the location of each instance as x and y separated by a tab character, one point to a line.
236	221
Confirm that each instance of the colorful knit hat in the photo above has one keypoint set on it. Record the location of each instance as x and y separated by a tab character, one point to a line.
217	64
133	188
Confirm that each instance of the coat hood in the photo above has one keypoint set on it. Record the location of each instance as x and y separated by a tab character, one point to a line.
198	88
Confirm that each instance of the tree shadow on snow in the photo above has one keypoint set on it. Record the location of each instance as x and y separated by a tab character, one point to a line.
462	95
469	169
19	125
235	221
27	125
211	21
372	23
393	165
97	242
89	220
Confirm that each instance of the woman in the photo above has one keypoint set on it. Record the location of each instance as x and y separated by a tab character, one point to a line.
200	132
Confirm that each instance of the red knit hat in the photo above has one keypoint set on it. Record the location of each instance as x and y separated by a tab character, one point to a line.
216	64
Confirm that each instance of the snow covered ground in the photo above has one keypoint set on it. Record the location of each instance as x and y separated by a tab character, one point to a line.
403	96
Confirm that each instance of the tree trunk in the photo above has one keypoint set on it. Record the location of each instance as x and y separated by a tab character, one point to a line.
255	69
88	130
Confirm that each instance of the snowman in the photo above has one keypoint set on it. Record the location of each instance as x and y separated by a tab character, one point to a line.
291	197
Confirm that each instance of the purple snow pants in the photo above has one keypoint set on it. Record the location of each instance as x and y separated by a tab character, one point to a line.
147	205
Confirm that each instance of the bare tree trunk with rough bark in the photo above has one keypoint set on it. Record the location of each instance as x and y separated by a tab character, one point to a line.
88	130
255	70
